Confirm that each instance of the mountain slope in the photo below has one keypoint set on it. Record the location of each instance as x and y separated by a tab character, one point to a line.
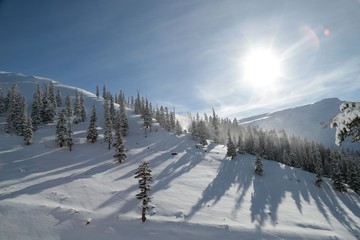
310	121
50	193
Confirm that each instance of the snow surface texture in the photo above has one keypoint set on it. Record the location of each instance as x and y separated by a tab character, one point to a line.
51	193
310	121
349	112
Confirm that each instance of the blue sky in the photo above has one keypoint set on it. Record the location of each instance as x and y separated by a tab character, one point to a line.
188	54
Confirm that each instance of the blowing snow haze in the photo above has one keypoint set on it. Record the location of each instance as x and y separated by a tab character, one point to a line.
241	57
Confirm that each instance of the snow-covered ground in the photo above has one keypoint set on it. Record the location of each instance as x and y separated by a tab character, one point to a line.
51	193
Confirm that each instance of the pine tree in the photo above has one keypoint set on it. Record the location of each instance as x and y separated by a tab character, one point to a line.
108	124
97	91
178	128
144	175
52	97
147	119
123	120
318	166
336	176
58	98
104	93
353	176
119	148
2	102
68	106
61	129
202	133
258	165
215	126
28	132
82	109
77	108
36	109
231	149
241	144
69	139
92	133
48	108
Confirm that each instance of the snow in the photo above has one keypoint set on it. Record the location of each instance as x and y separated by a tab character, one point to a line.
51	193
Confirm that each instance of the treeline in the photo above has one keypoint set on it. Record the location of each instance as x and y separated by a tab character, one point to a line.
342	166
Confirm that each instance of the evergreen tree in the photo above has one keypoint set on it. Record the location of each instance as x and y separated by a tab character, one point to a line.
202	133
258	165
82	109
336	176
36	109
215	126
28	132
68	106
231	149
123	120
241	145
52	97
61	129
318	166
119	149
144	175
97	91
353	176
77	108
178	128
2	102
104	93
69	139
92	133
108	124
58	98
147	119
48	108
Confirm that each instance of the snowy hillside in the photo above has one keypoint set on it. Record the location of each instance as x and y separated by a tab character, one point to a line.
47	192
310	121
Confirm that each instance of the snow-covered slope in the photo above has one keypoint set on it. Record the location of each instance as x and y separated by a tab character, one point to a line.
310	121
50	193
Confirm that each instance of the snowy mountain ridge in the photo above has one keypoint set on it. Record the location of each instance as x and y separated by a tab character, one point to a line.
311	121
47	192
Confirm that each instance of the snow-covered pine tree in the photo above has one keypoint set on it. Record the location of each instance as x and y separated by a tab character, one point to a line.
108	124
69	139
318	166
231	148
123	119
258	165
20	119
58	98
240	144
178	128
147	119
68	106
48	108
119	148
104	93
111	107
77	108
2	102
61	129
202	131
82	109
353	176
28	131
144	175
336	176
92	133
215	126
347	122
36	109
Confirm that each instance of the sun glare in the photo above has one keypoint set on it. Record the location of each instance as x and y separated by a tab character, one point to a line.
262	67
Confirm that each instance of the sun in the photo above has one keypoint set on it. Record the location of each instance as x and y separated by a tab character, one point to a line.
262	67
